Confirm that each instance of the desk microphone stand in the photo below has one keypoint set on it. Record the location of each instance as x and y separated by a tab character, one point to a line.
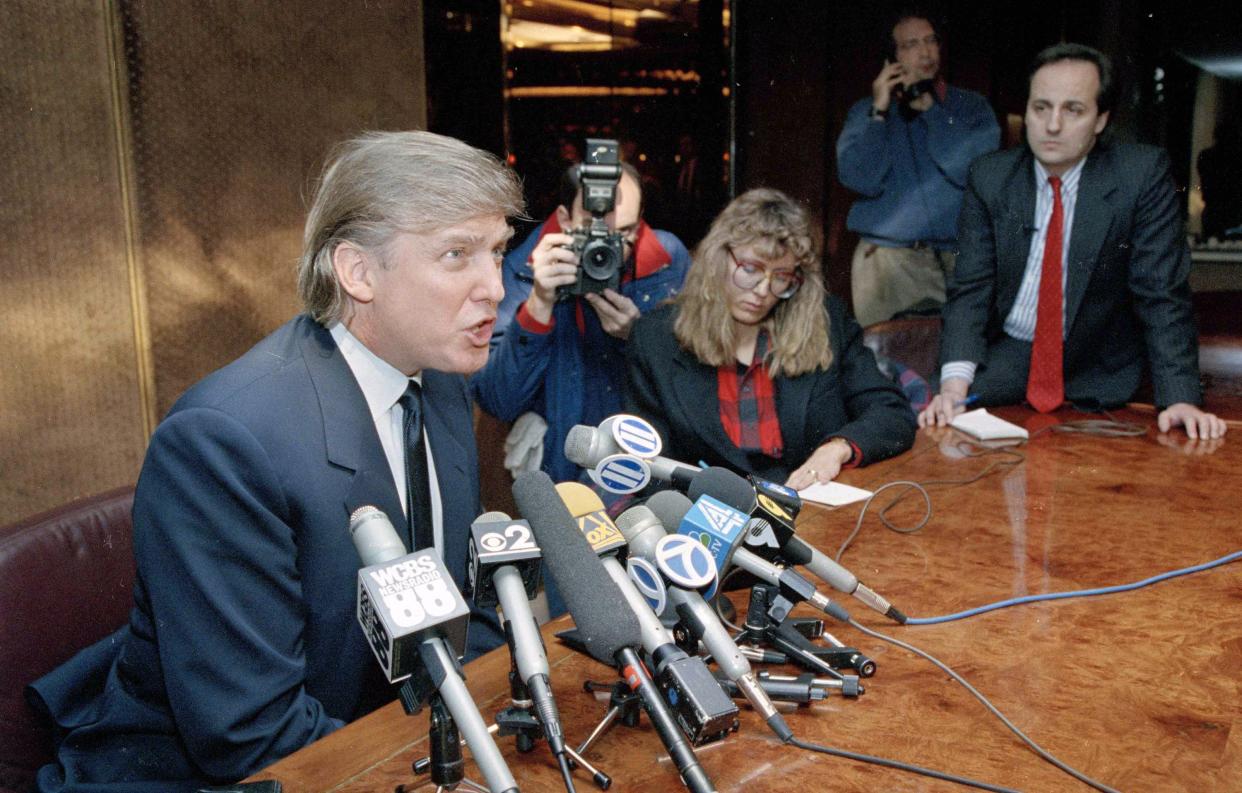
767	626
446	764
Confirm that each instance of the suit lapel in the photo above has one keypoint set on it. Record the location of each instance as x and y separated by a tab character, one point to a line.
1093	217
349	433
1016	222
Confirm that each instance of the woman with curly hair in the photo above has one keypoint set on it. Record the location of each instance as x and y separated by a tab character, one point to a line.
754	367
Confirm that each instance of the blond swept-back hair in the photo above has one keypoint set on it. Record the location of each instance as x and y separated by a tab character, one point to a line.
380	184
773	224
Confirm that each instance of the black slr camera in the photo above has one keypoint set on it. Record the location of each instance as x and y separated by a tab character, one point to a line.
601	253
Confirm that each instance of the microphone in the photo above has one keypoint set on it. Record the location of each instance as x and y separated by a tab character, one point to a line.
644	532
700	706
503	565
608	634
771	531
589	446
410	609
720	529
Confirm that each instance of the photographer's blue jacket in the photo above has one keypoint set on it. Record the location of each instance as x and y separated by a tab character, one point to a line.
570	372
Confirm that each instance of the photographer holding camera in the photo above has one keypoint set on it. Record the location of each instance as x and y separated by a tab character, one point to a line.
573	290
906	150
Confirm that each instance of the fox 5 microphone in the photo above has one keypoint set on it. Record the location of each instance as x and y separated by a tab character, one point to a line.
410	611
647	538
719	528
772	509
609	634
700	705
503	567
622	443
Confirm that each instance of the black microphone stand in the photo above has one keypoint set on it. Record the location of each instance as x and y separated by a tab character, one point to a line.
446	764
767	626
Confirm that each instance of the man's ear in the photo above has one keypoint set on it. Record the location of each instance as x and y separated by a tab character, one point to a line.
354	272
1101	122
563	218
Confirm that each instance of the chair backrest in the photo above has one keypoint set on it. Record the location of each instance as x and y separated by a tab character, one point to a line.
66	581
913	342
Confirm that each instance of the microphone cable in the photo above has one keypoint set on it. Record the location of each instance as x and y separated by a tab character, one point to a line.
1039	750
1077	593
914	769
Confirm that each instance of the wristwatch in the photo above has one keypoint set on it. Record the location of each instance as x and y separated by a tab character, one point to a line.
877	114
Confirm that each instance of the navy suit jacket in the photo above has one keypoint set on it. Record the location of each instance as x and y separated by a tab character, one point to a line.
677	393
242	645
1127	293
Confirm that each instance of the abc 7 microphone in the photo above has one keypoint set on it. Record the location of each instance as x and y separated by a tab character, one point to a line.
701	707
410	611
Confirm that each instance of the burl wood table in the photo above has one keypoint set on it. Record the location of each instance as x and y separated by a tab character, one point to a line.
1139	690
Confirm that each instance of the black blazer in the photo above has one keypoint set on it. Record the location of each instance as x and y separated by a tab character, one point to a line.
1127	291
676	392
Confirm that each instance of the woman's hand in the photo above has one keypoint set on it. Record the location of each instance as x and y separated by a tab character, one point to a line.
822	466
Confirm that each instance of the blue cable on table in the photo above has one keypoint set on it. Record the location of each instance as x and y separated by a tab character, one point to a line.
1233	557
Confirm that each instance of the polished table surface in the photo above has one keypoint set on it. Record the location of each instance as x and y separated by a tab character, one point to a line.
1140	690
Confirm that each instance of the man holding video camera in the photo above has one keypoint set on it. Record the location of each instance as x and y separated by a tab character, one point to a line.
906	150
573	289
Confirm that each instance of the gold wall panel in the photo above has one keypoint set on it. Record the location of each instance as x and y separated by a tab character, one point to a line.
70	413
156	158
233	106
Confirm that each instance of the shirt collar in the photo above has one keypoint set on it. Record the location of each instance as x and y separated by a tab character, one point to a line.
382	384
1068	178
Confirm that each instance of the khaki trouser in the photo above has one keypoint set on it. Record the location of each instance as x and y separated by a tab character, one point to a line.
886	281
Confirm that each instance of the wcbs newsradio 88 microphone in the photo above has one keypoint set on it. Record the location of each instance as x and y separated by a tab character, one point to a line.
414	618
609	634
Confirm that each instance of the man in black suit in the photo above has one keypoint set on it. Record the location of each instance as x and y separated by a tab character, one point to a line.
1020	325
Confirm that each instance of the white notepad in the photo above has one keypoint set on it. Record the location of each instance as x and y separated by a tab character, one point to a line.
834	494
986	427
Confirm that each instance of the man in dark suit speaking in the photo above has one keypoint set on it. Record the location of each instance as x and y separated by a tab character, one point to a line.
242	645
1073	265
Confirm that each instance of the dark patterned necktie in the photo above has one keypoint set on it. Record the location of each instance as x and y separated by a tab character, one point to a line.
417	487
1045	386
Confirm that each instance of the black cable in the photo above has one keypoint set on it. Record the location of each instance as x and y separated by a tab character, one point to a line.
1039	750
913	769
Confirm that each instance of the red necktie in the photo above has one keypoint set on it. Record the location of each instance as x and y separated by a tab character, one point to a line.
1045	387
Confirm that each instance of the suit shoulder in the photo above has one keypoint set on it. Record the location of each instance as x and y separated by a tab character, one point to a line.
994	168
655	324
257	376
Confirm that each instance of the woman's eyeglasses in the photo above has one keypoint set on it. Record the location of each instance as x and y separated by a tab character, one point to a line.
748	275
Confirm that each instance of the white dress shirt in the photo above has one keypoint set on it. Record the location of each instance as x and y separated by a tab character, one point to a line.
383	386
1020	322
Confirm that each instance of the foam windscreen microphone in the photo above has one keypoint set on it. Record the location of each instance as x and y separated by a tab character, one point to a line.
699	704
770	533
408	606
609	633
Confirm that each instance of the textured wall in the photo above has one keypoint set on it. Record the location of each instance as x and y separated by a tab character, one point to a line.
70	416
222	115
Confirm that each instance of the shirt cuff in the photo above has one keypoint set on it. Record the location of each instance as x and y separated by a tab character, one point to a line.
529	323
963	369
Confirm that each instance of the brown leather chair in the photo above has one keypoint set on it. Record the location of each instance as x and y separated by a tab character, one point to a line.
912	342
66	581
